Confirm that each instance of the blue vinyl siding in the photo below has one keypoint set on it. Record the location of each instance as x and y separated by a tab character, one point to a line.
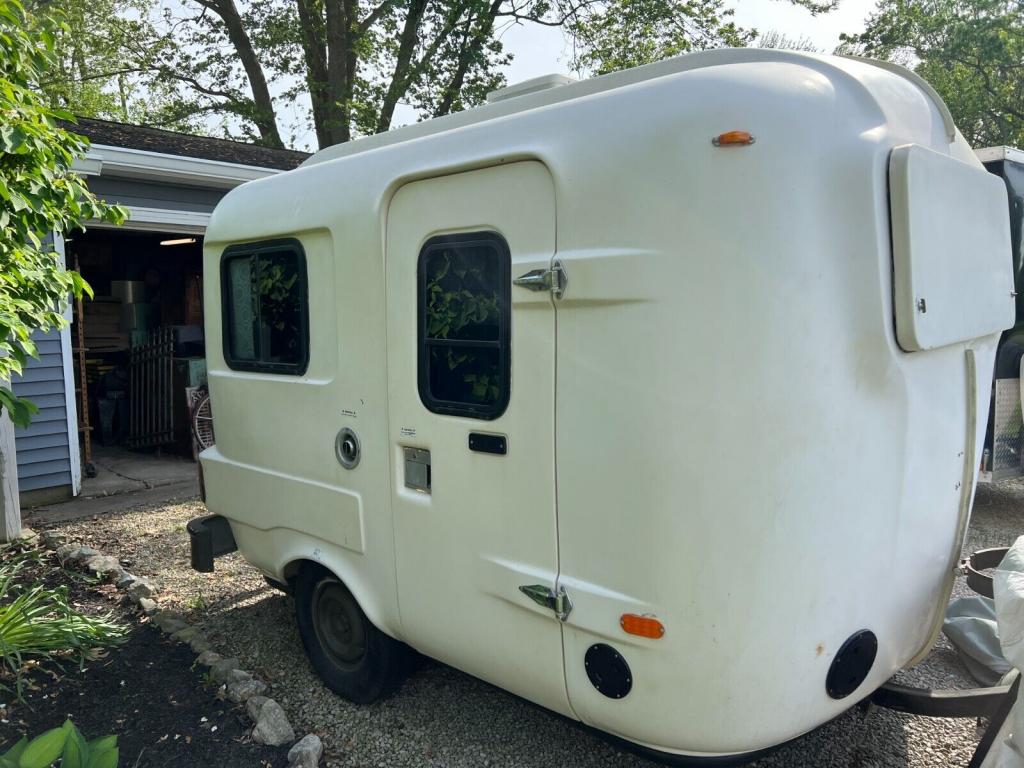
154	194
43	448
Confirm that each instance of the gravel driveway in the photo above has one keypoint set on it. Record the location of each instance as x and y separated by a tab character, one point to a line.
443	717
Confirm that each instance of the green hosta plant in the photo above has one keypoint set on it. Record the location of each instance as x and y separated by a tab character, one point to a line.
65	744
38	622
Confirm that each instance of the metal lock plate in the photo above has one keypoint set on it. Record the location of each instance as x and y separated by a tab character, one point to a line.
417	469
1007	448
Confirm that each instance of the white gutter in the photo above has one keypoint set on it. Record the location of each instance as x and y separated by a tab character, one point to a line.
158	220
106	160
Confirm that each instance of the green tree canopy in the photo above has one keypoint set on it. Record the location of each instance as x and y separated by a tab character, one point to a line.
352	61
39	194
971	51
106	63
267	70
350	64
628	33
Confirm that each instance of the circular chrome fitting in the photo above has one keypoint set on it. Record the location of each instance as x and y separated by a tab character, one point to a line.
346	448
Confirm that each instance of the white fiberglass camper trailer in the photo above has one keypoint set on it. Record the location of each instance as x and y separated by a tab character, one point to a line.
656	399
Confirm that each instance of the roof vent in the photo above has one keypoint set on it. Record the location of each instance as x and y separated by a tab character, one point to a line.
533	85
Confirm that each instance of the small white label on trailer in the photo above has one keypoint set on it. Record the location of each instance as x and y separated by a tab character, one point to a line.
950	248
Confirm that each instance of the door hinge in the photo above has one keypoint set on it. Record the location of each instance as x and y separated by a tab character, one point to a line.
558	602
552	279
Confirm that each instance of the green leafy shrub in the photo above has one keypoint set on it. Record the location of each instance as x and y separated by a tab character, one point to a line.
37	621
39	193
66	744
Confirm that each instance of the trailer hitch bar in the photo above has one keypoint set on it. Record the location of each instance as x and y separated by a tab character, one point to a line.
994	702
967	702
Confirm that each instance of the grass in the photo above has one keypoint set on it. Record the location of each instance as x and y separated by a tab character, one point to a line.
37	622
197	603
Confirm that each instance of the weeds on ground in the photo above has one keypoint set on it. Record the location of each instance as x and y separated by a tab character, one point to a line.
197	603
37	622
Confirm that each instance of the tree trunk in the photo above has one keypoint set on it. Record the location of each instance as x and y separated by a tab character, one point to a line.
400	80
10	507
340	57
264	117
477	36
315	52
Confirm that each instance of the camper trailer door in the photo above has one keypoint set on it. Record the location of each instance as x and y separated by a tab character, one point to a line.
471	396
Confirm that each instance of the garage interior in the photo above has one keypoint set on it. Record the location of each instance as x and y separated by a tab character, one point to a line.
138	348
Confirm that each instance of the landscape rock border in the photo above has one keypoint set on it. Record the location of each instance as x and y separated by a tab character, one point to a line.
270	723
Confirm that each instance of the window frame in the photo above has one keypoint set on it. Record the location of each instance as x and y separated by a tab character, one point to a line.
486	412
251	251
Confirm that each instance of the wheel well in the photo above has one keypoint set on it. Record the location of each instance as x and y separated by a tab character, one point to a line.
290	575
291	571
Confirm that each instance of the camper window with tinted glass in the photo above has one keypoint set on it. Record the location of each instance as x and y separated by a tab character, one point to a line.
265	307
464	325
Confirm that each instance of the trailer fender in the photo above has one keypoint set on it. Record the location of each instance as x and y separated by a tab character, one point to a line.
303	550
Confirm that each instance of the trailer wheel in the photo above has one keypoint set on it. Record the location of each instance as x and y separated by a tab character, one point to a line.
354	658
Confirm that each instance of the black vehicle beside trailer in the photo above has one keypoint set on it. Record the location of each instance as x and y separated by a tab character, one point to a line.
1004	438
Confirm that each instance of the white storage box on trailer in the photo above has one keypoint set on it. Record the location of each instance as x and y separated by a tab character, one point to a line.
616	393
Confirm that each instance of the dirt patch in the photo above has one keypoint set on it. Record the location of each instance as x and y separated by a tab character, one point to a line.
145	691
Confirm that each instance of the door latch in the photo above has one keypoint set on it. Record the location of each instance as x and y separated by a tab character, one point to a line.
546	597
552	279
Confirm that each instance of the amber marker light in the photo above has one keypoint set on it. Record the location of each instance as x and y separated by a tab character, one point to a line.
733	139
642	626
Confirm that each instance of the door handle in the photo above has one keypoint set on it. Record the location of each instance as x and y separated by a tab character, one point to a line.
546	597
553	279
535	280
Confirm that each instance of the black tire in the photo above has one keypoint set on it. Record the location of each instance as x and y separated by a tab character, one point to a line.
354	658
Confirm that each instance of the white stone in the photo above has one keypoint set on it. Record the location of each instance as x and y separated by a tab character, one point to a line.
52	539
208	658
66	550
148	606
140	588
125	580
306	752
28	536
272	727
220	670
185	634
242	690
254	705
237	676
76	552
104	565
82	554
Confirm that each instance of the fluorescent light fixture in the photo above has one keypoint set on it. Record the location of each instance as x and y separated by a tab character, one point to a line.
179	241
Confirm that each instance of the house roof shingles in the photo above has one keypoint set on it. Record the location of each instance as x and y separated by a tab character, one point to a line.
185	145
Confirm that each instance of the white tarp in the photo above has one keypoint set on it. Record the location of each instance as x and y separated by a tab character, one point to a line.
1008	589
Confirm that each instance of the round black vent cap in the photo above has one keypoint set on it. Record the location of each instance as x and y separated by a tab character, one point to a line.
608	671
852	664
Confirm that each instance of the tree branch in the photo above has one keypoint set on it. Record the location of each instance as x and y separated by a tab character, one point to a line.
374	16
263	114
402	73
